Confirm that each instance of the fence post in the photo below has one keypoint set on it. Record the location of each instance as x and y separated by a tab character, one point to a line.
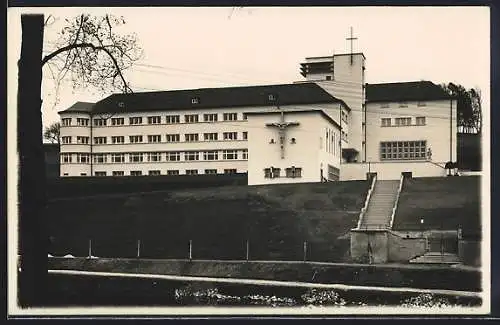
248	249
305	251
90	248
190	250
138	248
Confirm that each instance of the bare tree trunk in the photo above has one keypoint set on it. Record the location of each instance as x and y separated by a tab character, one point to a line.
33	240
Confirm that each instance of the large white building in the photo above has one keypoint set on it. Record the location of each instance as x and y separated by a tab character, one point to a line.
332	126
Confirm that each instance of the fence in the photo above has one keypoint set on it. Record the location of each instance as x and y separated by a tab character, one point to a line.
201	250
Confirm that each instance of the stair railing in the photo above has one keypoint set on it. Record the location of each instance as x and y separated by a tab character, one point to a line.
367	200
395	206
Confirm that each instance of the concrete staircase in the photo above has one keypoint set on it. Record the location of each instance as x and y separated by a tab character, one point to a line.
379	210
436	258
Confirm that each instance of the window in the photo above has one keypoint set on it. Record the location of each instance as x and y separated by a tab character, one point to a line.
191	155
135	157
83	174
172	172
195	100
100	158
117	158
82	140
403	121
117	139
173	156
82	121
135	120
420	120
82	158
245	135
118	173
230	154
403	104
210	117
66	139
272	172
333	173
135	173
135	138
154	138
100	173
154	156
191	137
154	119
173	138
230	116
210	155
99	122
230	135
402	150
230	171
245	116
66	121
173	119
191	118
100	140
420	104
65	174
210	136
210	171
293	172
245	154
386	122
384	105
117	121
191	171
154	173
65	158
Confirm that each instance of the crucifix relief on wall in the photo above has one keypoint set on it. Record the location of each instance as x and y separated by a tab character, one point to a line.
282	127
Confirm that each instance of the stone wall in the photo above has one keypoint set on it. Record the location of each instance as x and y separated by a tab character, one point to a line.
362	240
402	249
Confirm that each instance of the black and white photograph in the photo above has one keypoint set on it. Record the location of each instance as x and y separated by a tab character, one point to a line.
248	161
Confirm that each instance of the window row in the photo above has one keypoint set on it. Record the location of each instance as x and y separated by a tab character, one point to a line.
156	119
403	150
167	172
402	104
403	121
291	172
137	157
157	138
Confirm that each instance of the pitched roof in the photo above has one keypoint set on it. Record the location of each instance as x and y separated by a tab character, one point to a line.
404	91
287	94
83	107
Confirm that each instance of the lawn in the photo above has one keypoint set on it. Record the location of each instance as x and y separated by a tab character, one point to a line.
276	220
443	203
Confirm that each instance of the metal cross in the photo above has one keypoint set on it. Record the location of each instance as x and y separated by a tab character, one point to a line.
352	38
282	126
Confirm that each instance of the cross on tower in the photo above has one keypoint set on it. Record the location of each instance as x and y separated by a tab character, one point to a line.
351	39
282	127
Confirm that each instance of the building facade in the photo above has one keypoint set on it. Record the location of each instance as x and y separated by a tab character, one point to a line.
333	126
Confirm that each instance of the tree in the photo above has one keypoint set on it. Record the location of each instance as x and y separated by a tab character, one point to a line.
89	52
468	107
53	132
94	55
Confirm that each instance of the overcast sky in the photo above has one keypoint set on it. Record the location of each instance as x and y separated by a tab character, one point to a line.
216	47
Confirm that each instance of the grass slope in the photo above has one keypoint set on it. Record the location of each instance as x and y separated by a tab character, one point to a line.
444	203
275	219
